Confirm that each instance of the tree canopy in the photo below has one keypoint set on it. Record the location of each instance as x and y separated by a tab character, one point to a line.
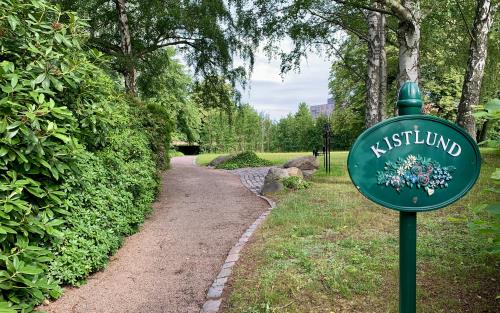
204	32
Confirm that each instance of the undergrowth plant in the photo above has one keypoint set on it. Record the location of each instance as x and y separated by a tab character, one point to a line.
487	223
295	183
244	159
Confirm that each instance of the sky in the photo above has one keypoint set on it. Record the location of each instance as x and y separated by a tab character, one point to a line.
277	96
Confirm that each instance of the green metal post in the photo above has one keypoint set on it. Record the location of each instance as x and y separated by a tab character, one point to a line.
409	102
407	262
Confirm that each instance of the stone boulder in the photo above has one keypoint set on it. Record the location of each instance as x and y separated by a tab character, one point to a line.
272	181
294	171
272	187
308	174
220	159
303	163
275	174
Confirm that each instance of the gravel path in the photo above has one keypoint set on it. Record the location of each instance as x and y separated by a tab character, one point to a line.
169	265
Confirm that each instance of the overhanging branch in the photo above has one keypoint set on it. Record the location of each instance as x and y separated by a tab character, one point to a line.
398	9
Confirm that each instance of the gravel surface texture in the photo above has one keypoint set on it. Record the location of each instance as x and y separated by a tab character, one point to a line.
169	265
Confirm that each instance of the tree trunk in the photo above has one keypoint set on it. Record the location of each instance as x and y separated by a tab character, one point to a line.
383	70
129	71
372	112
376	79
484	130
475	65
409	43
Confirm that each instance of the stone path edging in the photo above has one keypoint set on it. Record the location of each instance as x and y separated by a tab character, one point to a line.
214	294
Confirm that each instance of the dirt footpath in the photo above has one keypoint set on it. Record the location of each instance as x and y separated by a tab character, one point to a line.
169	265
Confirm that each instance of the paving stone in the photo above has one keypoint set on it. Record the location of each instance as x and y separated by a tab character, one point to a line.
228	265
219	282
235	249
215	292
233	257
211	306
225	272
252	178
243	239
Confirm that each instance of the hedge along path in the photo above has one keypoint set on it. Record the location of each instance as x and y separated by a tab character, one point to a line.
171	262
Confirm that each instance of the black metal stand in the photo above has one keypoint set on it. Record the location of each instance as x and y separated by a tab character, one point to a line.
326	148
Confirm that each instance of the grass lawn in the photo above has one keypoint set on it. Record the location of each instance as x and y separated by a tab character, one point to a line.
328	249
276	158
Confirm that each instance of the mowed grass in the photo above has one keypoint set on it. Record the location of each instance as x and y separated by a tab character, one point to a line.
328	249
276	158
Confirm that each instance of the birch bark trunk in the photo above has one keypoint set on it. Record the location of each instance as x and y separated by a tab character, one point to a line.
373	75
129	71
376	80
475	65
409	43
383	70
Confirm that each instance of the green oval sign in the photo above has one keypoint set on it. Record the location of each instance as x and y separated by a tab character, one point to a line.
414	163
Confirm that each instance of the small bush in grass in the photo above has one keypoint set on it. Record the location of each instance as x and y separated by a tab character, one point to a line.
244	159
295	183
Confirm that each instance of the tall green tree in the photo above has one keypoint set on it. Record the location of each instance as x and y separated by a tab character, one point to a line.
318	25
304	128
131	30
166	86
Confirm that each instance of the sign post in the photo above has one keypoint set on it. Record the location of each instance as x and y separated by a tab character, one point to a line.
407	163
409	103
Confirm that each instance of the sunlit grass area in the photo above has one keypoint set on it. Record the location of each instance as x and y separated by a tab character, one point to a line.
277	158
328	249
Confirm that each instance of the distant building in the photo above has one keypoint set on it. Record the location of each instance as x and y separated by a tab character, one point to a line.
322	109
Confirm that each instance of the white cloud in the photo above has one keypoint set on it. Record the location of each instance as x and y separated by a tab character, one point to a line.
278	96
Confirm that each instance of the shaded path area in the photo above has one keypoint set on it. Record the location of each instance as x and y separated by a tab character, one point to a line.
169	265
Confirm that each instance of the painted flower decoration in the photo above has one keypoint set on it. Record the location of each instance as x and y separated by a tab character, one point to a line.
415	171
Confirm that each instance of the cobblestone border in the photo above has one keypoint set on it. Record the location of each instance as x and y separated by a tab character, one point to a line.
214	294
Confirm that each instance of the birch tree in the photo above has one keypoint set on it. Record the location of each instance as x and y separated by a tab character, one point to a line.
129	71
205	33
409	18
471	89
376	79
314	26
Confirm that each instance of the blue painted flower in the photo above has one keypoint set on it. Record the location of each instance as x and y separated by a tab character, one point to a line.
415	171
414	178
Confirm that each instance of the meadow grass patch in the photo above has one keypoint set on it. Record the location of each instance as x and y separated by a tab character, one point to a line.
328	249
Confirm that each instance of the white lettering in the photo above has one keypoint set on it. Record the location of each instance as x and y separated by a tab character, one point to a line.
441	143
407	135
416	138
378	152
406	138
429	137
397	141
388	143
456	153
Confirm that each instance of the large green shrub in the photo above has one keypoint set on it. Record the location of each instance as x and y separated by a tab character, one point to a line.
37	144
109	196
76	156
